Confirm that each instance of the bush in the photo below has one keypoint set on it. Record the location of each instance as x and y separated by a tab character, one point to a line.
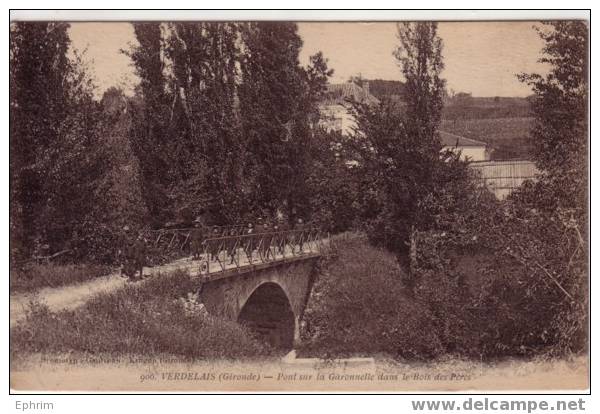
35	276
510	280
359	307
479	291
148	320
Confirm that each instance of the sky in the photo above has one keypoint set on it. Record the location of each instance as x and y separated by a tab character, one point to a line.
481	58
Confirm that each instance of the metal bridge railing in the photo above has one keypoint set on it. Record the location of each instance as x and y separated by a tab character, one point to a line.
236	251
179	239
227	247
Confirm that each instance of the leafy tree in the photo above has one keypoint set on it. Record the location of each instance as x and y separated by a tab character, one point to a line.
151	113
223	118
559	103
121	185
332	184
272	114
210	152
510	278
557	199
311	150
55	157
420	58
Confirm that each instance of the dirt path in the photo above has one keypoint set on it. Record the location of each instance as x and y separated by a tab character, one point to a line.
73	296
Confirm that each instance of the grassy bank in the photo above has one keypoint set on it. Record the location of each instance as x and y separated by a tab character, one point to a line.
359	307
35	276
149	319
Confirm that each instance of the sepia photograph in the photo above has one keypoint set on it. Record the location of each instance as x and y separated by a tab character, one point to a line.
305	206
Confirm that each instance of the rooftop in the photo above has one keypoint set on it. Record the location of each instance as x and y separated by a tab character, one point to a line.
340	93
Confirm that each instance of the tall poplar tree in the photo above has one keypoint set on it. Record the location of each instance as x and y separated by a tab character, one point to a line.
151	117
204	58
408	184
270	99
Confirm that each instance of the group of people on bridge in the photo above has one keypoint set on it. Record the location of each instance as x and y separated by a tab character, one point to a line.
263	238
209	242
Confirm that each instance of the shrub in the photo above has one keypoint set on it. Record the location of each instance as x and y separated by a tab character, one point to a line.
480	290
358	307
147	320
510	280
34	276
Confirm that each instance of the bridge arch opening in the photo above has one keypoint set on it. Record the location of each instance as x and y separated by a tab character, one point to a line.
269	315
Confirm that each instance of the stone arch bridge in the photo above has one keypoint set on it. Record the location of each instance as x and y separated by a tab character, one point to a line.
262	281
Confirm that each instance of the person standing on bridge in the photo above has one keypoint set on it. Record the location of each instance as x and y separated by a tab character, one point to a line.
283	236
197	239
249	242
300	234
215	244
232	244
265	246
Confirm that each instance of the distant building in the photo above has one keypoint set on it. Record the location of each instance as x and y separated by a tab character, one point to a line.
335	107
468	148
500	177
336	116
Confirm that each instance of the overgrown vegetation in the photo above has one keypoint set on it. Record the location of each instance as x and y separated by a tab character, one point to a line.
147	320
34	276
533	280
472	298
514	274
359	307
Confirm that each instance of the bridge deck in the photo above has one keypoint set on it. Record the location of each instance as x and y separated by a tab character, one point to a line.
224	268
236	271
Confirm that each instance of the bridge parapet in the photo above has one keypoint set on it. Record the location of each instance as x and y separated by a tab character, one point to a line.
228	255
165	245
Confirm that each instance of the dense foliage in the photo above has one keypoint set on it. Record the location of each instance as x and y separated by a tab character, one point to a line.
516	271
57	157
223	124
360	308
495	277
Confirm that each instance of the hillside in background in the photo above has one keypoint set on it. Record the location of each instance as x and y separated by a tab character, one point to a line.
508	136
502	122
465	106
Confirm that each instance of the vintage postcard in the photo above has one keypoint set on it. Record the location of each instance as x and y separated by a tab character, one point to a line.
299	206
